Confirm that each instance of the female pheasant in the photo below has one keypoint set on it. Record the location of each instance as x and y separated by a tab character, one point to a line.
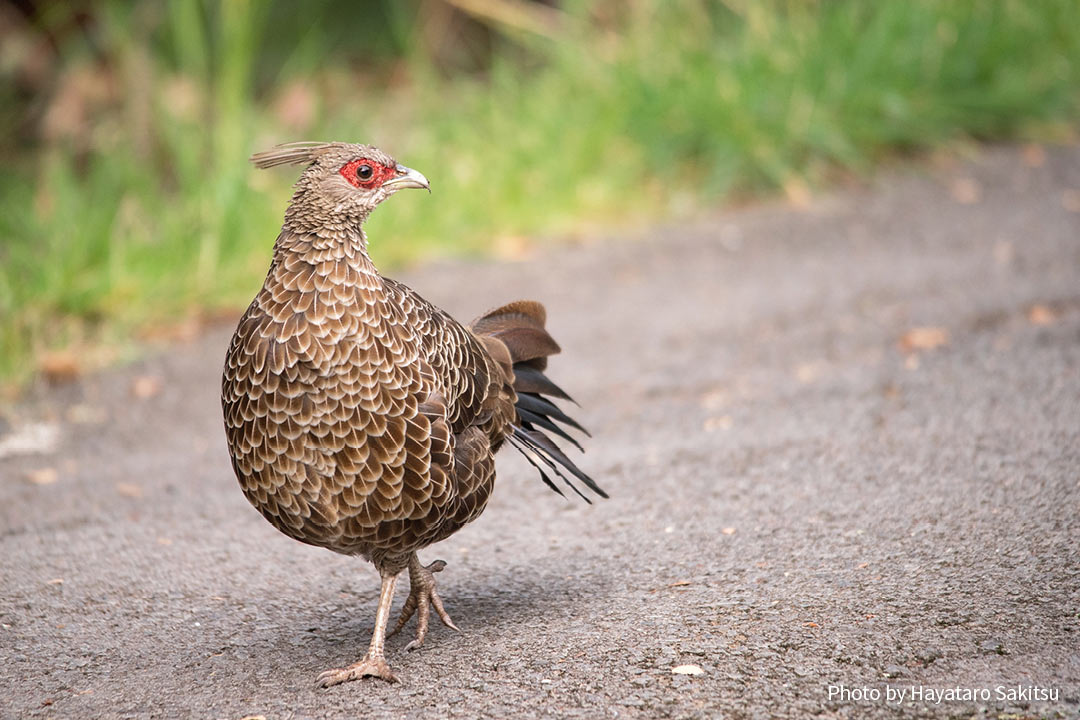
360	417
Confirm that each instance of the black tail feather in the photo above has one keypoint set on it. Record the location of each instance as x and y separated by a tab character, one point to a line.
543	442
529	455
537	414
531	418
527	439
531	380
541	406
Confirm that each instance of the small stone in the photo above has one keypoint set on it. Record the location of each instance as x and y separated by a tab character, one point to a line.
687	670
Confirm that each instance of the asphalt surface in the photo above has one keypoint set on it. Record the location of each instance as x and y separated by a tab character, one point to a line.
842	443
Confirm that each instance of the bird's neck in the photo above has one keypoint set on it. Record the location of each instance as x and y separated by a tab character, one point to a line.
329	260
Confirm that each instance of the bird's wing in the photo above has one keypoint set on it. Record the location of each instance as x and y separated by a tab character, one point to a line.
472	383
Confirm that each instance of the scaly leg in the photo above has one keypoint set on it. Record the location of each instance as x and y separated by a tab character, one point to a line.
422	595
374	663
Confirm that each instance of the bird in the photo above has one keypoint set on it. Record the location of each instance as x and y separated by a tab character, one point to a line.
363	419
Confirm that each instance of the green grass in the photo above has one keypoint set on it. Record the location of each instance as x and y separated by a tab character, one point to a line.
671	107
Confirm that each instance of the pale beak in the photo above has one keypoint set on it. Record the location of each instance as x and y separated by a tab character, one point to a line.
408	178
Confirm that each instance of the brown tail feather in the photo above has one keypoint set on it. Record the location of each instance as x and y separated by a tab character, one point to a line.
520	327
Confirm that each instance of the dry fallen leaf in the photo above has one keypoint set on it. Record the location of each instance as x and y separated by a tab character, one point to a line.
923	338
56	581
164	541
680	583
83	414
807	372
145	386
811	624
1003	253
180	332
798	194
687	670
1070	200
724	422
513	247
1034	155
59	367
713	400
965	191
728	531
130	490
862	566
43	476
1041	315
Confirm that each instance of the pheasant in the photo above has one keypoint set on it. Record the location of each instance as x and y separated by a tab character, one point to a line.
360	417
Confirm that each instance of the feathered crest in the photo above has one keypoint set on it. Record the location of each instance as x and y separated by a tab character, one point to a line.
294	153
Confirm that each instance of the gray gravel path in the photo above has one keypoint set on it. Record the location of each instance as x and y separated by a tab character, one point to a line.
808	498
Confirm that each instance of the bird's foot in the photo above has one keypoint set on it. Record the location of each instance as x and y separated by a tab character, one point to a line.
367	667
422	597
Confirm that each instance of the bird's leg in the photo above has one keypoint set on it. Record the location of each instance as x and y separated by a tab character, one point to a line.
422	596
374	662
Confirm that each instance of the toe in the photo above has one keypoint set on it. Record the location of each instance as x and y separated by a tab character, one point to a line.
335	676
368	667
443	615
407	612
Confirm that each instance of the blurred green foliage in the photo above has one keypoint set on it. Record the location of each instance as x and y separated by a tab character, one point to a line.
126	199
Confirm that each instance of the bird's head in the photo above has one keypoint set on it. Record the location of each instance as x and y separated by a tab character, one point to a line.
342	184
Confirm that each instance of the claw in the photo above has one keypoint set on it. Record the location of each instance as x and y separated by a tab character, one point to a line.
422	596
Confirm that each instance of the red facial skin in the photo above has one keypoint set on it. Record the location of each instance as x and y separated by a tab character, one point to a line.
381	173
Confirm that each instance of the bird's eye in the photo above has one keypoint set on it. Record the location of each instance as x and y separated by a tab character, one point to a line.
364	172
